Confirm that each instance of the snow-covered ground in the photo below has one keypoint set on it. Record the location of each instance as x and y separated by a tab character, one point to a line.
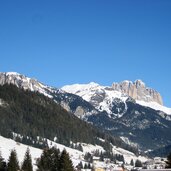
155	106
6	145
128	156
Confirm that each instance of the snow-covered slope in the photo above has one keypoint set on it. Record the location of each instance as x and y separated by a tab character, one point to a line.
21	81
6	145
155	106
105	98
101	97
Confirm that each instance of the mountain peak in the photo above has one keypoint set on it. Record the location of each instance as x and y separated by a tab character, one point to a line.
12	73
138	91
21	81
139	83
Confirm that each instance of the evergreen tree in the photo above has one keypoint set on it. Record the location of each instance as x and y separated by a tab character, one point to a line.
168	162
89	166
80	165
27	163
2	163
49	160
55	155
132	162
65	163
85	166
13	164
44	163
138	163
101	156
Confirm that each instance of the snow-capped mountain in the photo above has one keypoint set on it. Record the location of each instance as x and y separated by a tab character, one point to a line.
107	99
142	120
70	102
101	97
21	81
138	91
137	117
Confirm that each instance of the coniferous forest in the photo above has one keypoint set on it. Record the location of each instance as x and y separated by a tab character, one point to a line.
30	114
50	160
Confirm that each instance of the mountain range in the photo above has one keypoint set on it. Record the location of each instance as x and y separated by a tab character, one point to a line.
128	109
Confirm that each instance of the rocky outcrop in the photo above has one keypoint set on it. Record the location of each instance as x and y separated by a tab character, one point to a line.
19	80
138	91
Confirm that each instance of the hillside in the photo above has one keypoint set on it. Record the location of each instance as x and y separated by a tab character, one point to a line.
30	114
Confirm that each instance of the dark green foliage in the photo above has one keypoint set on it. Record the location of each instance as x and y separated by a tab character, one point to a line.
2	163
65	163
85	166
168	162
32	114
89	166
102	155
27	163
88	157
132	162
49	160
80	166
13	164
76	146
138	163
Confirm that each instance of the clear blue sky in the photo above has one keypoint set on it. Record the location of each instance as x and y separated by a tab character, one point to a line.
63	42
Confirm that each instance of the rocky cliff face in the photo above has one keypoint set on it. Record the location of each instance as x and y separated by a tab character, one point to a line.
22	81
138	91
72	103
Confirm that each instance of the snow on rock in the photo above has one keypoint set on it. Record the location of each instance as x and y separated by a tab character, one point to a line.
83	90
155	106
101	97
24	82
128	156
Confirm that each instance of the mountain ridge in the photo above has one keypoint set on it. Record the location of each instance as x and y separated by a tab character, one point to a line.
107	109
96	94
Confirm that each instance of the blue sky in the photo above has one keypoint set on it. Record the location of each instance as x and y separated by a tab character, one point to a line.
79	41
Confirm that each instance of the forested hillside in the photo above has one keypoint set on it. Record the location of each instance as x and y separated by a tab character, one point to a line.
31	114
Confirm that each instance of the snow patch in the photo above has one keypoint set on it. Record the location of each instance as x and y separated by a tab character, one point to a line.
155	106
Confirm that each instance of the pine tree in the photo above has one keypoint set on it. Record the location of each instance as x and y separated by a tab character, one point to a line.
13	164
89	166
168	162
55	155
138	163
44	163
49	160
85	166
80	165
2	163
65	163
101	156
27	163
132	162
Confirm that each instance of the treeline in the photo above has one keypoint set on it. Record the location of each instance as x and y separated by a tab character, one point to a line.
102	155
50	160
